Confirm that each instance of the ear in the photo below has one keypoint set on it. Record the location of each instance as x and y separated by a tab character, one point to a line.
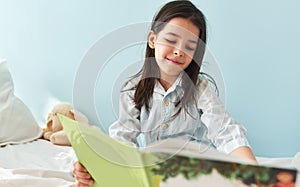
78	116
49	121
72	113
151	39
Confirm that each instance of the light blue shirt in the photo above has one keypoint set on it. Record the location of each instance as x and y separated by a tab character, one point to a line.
206	121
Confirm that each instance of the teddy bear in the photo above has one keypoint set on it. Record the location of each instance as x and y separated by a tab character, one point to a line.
54	130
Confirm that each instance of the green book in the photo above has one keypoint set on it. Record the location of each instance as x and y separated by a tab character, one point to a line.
109	162
167	163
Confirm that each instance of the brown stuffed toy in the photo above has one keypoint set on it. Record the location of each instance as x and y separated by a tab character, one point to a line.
54	130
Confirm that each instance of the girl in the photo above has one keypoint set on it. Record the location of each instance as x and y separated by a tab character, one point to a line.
168	98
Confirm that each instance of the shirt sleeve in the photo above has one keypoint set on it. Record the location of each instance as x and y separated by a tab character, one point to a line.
127	127
225	132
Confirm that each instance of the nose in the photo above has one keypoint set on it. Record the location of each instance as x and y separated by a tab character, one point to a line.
177	52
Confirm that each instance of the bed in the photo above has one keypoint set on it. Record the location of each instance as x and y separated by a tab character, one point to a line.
36	163
40	163
27	160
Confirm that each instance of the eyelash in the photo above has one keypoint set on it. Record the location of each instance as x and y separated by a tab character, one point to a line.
174	42
171	41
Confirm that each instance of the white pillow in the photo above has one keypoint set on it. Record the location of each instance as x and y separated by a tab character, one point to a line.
17	124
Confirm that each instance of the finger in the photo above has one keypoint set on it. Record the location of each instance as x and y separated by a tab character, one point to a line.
84	182
80	174
78	184
79	167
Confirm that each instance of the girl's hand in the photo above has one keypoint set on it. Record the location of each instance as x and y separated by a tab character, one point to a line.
82	177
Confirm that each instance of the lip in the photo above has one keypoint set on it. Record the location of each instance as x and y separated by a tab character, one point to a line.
174	61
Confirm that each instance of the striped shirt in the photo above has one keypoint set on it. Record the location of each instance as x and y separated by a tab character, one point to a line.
206	120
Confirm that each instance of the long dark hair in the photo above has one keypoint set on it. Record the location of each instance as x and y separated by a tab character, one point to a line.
150	71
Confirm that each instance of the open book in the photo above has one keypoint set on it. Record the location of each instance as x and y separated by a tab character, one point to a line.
166	163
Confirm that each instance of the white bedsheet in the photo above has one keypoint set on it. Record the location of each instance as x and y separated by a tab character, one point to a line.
39	163
42	164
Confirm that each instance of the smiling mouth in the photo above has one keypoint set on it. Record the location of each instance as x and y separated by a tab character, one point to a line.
173	61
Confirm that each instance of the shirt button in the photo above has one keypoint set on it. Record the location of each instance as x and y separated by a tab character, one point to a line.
164	126
166	103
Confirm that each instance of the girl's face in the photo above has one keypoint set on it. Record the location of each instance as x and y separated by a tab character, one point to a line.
174	46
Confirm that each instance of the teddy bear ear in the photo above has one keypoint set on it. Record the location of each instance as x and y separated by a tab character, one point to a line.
78	116
71	114
49	121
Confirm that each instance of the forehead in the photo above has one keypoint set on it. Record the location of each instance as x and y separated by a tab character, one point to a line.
182	27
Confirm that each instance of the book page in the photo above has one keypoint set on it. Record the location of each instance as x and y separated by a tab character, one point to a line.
110	162
192	149
183	163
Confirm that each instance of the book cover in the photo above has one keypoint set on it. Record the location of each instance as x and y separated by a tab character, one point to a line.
168	163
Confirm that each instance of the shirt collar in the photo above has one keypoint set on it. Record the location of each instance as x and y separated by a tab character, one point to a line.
175	87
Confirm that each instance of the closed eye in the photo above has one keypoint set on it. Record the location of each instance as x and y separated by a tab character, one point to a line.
190	48
174	42
170	41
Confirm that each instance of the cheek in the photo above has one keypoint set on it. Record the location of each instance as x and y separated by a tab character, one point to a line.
189	55
159	56
161	50
188	60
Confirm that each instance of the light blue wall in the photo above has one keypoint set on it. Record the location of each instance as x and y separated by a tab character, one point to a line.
256	44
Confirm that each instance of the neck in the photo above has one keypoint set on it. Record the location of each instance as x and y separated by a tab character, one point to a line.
167	82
